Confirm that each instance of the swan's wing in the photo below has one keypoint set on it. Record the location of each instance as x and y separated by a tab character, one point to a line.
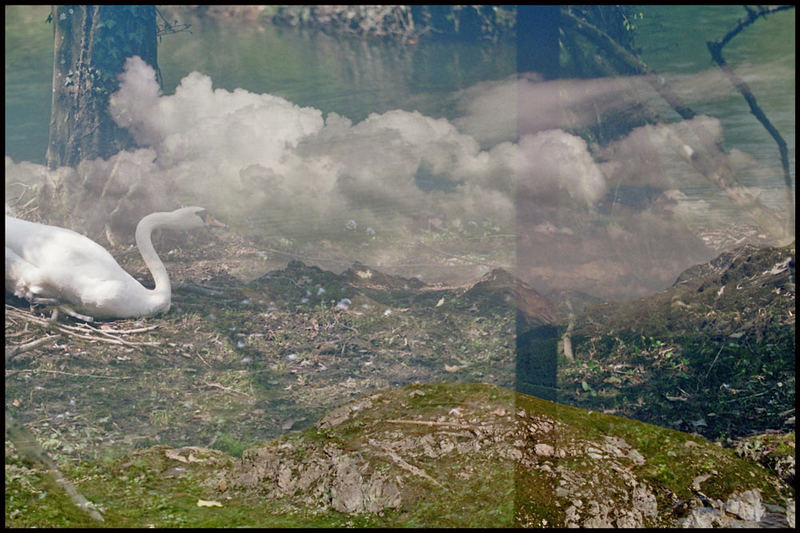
60	253
110	298
75	270
83	289
22	278
53	262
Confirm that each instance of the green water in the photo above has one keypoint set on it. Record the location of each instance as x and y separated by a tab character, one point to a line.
348	77
355	78
673	39
29	71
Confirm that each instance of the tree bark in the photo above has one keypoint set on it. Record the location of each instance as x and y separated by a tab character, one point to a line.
91	45
537	40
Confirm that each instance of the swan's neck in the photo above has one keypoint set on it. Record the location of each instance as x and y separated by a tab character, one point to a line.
162	293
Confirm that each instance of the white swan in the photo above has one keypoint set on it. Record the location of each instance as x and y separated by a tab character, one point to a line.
48	264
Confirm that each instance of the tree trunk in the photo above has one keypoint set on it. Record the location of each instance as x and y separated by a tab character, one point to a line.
91	45
537	40
536	349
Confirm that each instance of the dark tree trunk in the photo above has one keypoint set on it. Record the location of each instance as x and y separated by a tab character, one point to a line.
537	40
91	45
537	349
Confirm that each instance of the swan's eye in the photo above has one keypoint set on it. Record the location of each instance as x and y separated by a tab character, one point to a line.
209	220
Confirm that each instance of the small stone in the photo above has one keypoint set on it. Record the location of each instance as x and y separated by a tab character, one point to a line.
636	457
746	505
645	501
701	517
543	450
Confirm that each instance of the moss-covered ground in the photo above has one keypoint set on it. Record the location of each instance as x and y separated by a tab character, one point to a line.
163	487
233	364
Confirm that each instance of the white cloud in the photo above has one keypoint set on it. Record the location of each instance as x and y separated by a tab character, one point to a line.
269	167
259	150
498	111
555	160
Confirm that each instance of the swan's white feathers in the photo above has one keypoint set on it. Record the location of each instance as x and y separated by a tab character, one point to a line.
51	262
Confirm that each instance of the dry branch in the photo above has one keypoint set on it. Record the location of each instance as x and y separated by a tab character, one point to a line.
712	162
27	446
17	349
73	374
111	338
405	465
228	389
432	423
715	48
80	332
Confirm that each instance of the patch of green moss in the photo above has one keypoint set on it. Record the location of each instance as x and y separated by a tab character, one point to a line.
671	462
148	490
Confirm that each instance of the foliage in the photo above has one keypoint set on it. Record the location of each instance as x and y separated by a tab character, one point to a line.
165	27
714	354
404	23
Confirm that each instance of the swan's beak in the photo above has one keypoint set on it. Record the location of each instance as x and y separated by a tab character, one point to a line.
211	221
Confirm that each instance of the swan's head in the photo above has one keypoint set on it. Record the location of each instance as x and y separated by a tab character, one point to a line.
187	218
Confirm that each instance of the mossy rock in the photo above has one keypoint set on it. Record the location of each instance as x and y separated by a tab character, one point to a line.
437	455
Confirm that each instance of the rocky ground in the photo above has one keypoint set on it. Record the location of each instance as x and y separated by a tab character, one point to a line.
509	460
446	455
309	377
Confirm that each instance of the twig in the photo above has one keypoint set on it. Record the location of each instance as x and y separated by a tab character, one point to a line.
82	375
114	338
19	348
227	389
138	330
746	397
715	48
432	423
402	463
203	360
73	331
711	163
751	17
13	311
714	361
25	188
17	333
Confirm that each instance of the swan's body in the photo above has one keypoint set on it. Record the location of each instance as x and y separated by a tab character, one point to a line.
48	263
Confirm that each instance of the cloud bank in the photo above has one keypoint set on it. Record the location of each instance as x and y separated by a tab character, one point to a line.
610	221
260	149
